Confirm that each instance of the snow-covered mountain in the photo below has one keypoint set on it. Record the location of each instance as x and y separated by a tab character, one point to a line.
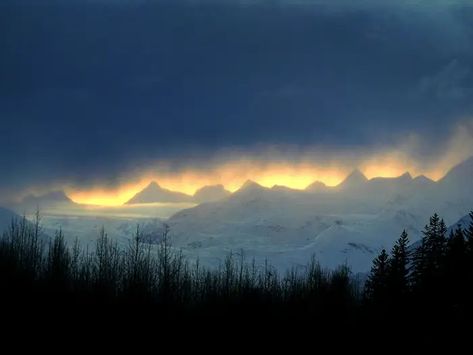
355	180
459	176
348	223
87	228
463	223
210	193
451	197
317	186
52	199
154	193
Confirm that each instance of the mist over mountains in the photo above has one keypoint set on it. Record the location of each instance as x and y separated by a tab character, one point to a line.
348	223
54	198
154	193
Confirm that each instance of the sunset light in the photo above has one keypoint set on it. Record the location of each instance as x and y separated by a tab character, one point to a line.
233	175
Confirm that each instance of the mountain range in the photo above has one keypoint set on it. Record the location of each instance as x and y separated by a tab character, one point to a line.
153	193
52	199
57	196
348	223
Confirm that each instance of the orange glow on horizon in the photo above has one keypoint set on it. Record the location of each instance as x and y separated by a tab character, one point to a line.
233	175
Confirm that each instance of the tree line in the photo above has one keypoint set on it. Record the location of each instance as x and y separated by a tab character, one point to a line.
425	285
157	274
437	269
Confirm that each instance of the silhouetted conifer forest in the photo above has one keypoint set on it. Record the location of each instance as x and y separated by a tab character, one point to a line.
416	297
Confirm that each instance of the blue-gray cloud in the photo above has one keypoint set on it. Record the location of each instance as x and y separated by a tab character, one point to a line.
92	89
453	81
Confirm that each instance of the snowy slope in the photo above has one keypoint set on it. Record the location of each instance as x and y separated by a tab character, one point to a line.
155	193
210	194
349	223
50	200
462	223
87	228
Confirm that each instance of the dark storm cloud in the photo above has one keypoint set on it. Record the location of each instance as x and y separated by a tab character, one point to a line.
91	90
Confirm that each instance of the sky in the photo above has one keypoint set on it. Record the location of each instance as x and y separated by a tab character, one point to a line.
98	97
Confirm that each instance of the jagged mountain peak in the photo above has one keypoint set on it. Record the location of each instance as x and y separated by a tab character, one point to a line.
462	172
250	184
211	193
55	196
154	193
423	179
406	176
355	178
316	186
153	185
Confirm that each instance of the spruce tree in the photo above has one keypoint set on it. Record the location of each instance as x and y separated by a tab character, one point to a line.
456	248
468	232
419	269
399	268
376	287
435	238
456	265
429	256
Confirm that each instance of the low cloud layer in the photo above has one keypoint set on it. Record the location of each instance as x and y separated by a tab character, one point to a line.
95	93
288	166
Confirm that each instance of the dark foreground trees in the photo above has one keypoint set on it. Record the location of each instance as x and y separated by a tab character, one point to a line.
436	271
415	289
425	287
158	275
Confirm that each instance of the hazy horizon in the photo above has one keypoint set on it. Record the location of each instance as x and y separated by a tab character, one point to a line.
100	97
294	180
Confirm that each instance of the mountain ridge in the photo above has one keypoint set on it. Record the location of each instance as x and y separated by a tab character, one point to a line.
354	179
353	182
153	193
290	227
210	193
